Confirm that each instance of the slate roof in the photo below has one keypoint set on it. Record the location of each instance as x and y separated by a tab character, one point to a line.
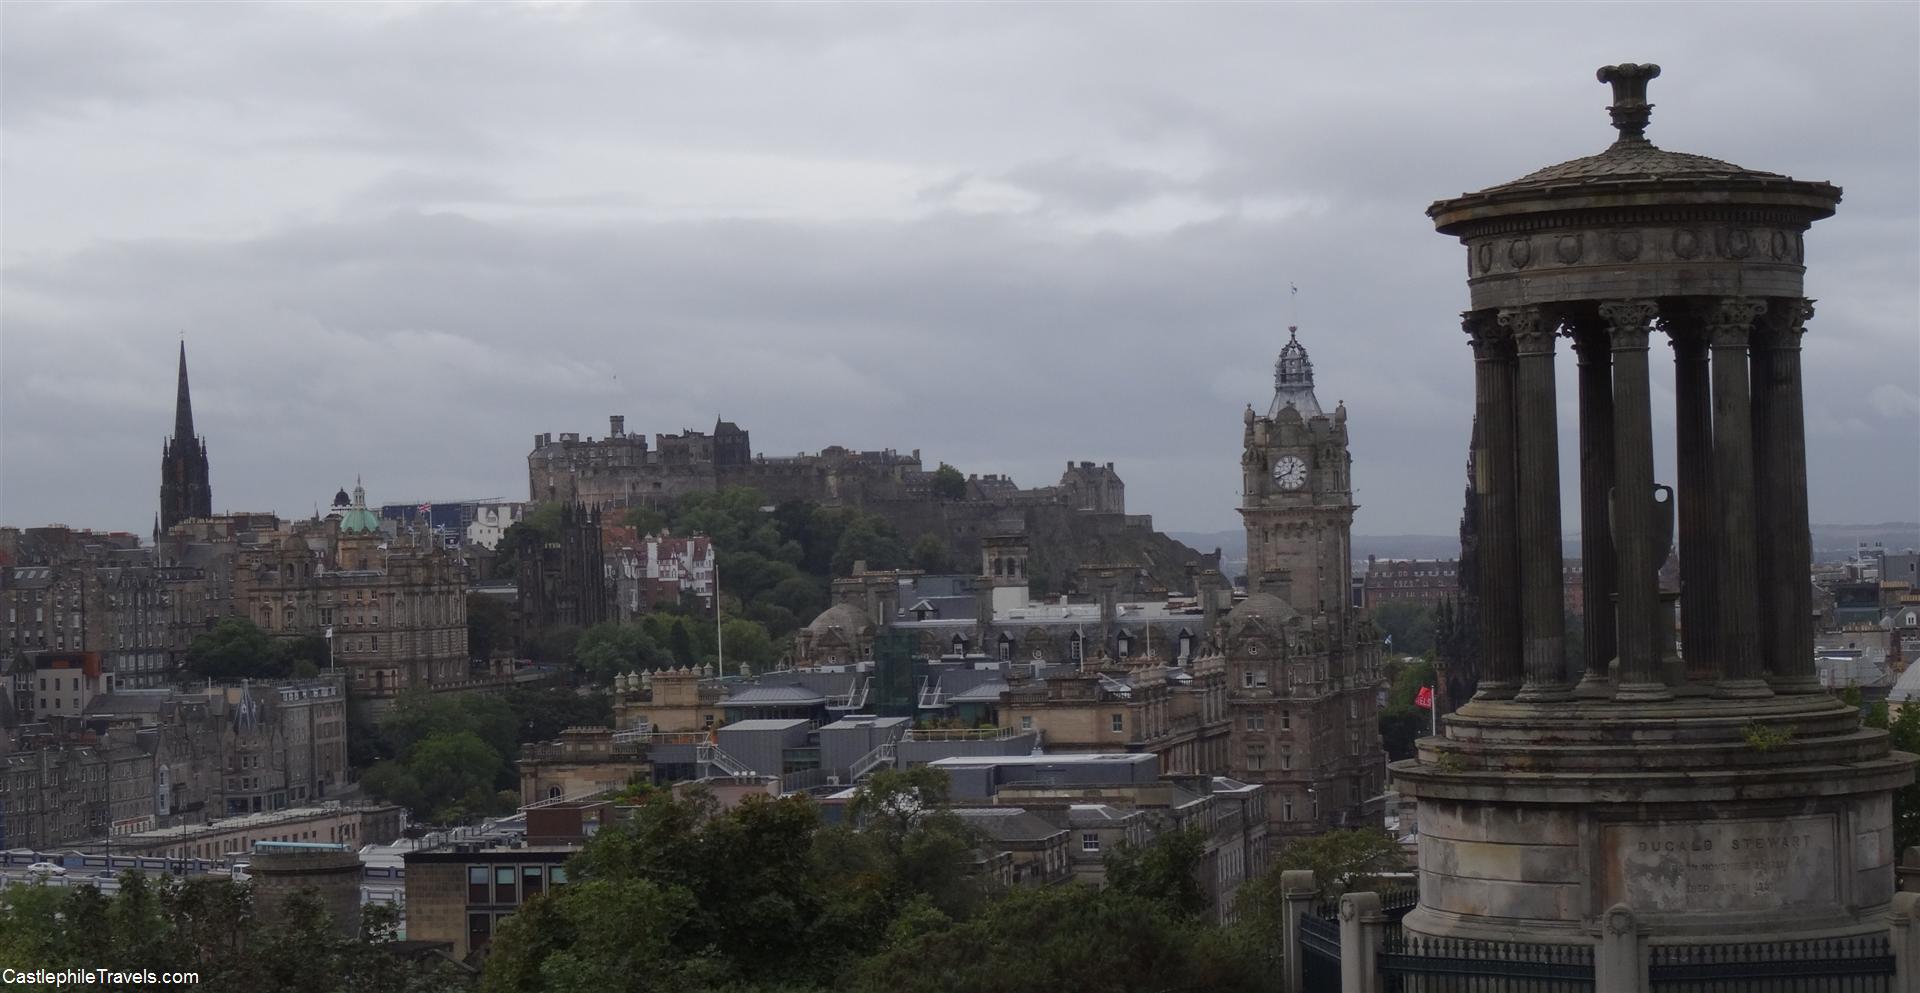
1632	160
1008	823
787	695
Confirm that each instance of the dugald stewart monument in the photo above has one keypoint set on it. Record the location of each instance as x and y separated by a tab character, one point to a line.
1685	775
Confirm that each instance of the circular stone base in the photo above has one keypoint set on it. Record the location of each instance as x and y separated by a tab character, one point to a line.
1765	819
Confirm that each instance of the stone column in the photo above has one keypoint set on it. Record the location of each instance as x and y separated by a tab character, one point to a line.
1596	481
1618	957
1781	446
1729	323
1638	561
1903	932
1499	566
1537	492
1693	414
1362	926
1297	890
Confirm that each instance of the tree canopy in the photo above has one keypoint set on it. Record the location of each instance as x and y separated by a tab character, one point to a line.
208	926
768	897
238	649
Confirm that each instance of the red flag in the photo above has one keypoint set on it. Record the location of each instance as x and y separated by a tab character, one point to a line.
1424	698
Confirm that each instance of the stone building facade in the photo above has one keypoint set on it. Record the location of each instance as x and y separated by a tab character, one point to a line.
394	602
1302	662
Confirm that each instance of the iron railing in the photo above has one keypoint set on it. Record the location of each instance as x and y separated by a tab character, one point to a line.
1858	964
1320	948
1413	963
881	755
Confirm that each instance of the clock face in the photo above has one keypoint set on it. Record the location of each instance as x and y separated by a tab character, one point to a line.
1290	472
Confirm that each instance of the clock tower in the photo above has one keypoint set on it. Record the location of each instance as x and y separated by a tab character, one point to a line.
1297	494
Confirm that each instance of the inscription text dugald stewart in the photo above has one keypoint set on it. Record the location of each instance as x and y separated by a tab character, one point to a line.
1727	865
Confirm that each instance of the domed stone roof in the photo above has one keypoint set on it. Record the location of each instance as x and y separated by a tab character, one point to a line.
1631	159
341	500
844	616
1260	608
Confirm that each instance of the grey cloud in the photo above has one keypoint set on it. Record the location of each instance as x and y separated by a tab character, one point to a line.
483	266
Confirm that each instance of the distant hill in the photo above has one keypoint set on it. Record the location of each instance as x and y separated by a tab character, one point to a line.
1831	543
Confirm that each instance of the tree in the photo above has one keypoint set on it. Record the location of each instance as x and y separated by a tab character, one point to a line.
1344	860
867	539
1904	730
747	641
1165	869
1061	938
948	483
1408	622
542	713
680	642
457	774
236	649
554	645
930	554
610	649
644	520
206	926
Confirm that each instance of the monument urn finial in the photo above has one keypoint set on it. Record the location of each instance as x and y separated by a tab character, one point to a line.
1630	108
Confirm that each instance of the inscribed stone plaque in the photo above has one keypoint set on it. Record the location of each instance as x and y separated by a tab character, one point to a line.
1737	865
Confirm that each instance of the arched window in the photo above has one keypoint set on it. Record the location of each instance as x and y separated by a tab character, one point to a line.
553	792
959	645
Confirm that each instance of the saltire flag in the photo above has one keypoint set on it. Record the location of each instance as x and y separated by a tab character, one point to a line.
1424	698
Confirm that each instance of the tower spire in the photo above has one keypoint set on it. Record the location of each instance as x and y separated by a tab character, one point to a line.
183	404
184	489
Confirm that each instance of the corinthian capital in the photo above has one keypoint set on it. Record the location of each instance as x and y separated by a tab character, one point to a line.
1785	322
1629	321
1729	320
1485	334
1533	330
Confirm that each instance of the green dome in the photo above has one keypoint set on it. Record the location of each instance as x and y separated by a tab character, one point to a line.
358	519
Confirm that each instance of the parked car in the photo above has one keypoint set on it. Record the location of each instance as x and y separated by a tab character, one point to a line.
47	869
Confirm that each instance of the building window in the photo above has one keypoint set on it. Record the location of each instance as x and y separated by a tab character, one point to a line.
1089	842
1256	722
532	881
477	890
1259	678
1286	720
503	885
1256	759
1026	722
1246	679
1119	722
1286	808
1286	758
1074	649
557	876
479	930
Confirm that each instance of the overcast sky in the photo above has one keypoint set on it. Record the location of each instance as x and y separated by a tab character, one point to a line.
401	241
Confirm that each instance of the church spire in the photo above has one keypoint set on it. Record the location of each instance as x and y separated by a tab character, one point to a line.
184	488
183	404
